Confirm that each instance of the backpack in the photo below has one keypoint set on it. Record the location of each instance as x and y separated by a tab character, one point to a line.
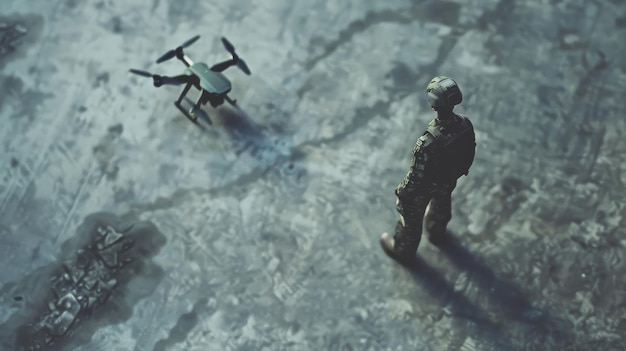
453	153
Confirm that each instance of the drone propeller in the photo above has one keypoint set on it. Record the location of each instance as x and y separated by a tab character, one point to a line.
142	73
242	66
172	53
166	56
190	41
157	80
239	61
228	46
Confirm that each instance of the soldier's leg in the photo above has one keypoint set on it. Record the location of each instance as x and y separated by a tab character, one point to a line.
408	230
439	212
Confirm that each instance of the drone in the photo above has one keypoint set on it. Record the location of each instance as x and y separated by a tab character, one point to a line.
213	85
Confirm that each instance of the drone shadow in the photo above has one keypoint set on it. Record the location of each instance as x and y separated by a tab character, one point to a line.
245	135
506	298
238	124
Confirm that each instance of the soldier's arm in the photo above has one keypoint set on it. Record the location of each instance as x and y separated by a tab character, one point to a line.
416	176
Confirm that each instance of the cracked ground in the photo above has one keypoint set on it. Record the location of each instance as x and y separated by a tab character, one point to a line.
268	220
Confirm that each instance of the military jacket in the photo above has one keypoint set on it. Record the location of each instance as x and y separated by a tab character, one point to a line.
443	153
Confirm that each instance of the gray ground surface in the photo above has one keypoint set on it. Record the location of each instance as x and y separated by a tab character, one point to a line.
271	217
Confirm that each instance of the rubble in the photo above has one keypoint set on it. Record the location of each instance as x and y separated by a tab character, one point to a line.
82	286
11	36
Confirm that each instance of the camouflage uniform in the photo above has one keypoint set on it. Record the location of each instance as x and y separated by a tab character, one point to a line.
442	154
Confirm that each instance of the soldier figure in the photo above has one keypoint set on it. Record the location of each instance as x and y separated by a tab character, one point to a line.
441	155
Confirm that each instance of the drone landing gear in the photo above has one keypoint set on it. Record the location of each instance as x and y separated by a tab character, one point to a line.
195	110
231	101
193	113
189	114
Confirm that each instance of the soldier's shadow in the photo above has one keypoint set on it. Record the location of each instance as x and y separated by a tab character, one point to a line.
507	301
508	297
456	304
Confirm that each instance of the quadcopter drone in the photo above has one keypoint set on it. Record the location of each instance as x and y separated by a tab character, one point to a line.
214	86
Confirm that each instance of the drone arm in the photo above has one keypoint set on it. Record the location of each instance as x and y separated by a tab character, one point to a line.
219	67
186	60
176	80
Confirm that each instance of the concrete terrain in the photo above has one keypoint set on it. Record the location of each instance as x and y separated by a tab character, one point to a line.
261	231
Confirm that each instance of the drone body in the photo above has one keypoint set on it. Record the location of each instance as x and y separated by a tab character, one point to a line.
210	81
214	85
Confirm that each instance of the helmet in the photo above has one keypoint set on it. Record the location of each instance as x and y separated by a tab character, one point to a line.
443	92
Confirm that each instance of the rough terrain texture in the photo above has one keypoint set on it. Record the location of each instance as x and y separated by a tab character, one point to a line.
269	220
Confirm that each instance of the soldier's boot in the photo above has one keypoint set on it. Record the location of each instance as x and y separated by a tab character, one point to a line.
399	247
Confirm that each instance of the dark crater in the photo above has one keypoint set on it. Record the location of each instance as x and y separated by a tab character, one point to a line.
100	275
